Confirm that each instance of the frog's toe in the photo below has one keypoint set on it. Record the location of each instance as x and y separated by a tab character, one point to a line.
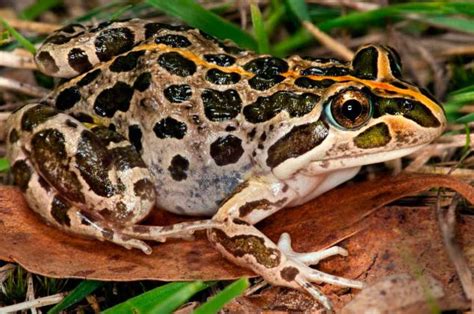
311	258
306	275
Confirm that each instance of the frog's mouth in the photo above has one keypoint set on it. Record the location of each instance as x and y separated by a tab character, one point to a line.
357	160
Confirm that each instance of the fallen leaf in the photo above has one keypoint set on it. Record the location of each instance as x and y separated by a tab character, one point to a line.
397	241
320	223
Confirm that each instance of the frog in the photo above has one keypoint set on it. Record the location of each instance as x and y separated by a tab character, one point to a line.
151	115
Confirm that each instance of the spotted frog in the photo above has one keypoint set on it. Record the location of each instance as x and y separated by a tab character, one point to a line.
170	116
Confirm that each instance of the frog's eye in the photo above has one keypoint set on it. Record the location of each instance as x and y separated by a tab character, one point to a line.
349	109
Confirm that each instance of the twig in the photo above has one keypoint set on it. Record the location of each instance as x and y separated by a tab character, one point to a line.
30	291
37	27
436	149
5	271
328	41
40	302
26	89
259	284
14	60
447	224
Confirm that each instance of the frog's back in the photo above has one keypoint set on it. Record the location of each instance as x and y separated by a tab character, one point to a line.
201	113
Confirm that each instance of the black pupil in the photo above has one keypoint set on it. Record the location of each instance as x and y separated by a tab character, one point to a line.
351	109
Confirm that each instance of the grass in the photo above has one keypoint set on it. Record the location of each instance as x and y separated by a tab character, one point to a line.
279	17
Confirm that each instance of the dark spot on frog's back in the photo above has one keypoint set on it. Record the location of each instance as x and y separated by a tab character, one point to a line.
59	209
107	135
112	42
175	41
67	98
144	188
127	62
72	28
78	60
330	71
310	83
14	136
265	108
365	63
49	152
143	82
135	136
221	59
58	39
47	61
298	141
262	82
178	93
178	168
221	106
219	77
93	162
395	62
111	100
226	150
21	174
170	128
126	157
89	78
152	29
177	64
267	66
71	124
35	116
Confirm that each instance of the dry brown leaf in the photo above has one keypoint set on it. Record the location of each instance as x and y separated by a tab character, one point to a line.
320	223
398	242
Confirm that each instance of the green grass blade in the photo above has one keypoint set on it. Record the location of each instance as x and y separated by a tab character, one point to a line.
466	119
120	12
299	8
463	90
19	37
259	29
85	288
144	301
4	165
454	23
461	97
360	20
195	15
37	8
219	300
163	299
275	18
167	305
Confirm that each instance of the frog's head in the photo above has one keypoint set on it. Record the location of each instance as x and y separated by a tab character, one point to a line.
369	116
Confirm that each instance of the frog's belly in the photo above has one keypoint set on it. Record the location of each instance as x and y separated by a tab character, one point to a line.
198	190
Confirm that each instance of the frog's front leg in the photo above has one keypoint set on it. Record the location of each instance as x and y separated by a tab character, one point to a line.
242	243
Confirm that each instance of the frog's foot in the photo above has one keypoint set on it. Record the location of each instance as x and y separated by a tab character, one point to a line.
184	230
312	258
306	275
277	264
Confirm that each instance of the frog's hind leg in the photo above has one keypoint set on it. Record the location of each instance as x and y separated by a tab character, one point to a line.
86	181
56	210
238	240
